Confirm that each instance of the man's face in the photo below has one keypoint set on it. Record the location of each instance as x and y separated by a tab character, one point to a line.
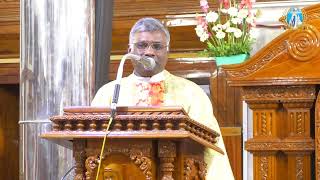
151	44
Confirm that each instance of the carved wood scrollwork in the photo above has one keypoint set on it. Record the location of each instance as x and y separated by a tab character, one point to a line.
265	127
272	53
299	168
312	16
304	43
91	167
137	154
194	169
302	145
144	163
300	128
264	167
282	93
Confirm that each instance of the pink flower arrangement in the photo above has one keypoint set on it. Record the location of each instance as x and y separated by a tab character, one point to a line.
229	30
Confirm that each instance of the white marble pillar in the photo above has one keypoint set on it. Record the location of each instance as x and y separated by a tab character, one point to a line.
57	50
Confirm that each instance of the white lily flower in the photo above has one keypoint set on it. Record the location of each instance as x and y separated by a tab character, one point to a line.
225	11
226	25
215	28
243	13
212	17
204	36
220	34
219	26
236	21
199	30
237	33
233	11
230	29
250	20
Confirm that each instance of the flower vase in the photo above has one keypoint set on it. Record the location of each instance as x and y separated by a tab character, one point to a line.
234	59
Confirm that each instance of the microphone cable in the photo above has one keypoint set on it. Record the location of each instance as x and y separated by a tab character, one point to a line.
103	145
113	107
68	172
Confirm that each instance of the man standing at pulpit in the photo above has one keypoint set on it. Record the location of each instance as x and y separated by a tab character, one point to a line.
157	87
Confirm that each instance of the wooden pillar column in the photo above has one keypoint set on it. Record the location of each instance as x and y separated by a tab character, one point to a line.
167	154
79	155
298	126
265	132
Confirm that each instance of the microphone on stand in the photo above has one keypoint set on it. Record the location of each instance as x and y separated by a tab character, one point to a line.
147	62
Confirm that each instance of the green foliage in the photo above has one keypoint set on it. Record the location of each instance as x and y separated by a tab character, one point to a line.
227	49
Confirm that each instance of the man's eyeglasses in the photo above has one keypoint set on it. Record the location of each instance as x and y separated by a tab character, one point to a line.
143	45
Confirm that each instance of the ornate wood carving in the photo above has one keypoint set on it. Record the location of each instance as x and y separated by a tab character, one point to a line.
91	167
276	108
290	65
304	43
139	154
267	57
166	168
133	151
279	93
299	128
299	168
280	145
79	155
144	163
265	119
264	167
298	118
167	154
194	169
281	81
264	131
131	123
313	16
281	123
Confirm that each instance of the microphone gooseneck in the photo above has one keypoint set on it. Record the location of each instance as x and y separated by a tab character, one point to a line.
148	63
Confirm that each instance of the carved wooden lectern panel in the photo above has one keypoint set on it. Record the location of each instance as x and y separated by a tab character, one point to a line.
143	143
122	159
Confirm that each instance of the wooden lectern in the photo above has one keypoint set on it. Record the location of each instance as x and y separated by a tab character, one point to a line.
143	143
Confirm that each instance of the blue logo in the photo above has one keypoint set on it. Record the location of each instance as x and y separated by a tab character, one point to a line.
294	18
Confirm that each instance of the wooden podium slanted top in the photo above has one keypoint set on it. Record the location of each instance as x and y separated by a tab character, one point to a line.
131	123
